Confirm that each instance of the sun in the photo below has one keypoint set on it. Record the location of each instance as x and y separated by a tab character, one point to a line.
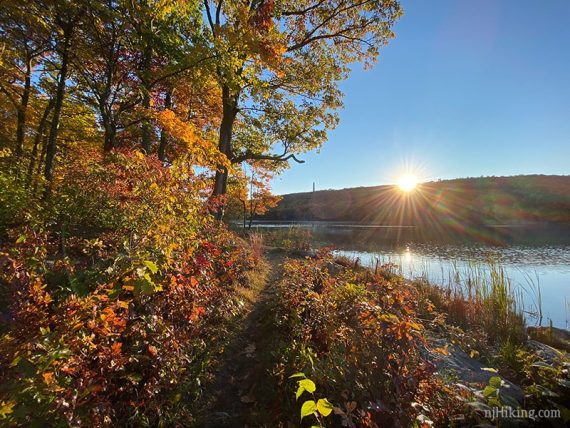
407	182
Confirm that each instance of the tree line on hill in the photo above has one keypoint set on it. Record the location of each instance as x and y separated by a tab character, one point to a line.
469	201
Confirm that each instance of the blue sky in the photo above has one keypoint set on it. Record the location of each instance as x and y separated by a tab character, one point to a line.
467	88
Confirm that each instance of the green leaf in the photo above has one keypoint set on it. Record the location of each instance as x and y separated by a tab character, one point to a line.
324	407
495	381
21	239
489	390
144	286
299	392
311	360
308	408
15	361
151	266
300	374
308	385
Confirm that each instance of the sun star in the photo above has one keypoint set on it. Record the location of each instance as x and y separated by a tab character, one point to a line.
408	182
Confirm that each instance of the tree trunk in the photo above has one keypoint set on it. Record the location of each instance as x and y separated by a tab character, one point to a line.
22	110
229	103
251	204
110	134
38	138
104	99
145	80
58	104
163	135
40	164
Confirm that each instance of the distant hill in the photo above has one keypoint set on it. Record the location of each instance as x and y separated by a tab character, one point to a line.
459	203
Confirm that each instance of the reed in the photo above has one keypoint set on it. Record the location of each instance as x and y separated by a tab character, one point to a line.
482	295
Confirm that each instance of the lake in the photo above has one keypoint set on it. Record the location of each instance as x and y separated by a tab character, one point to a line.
534	257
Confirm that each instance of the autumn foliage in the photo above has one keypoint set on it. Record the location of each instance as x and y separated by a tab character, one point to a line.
112	312
122	124
356	334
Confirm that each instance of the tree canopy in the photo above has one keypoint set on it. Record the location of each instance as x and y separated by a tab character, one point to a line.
223	82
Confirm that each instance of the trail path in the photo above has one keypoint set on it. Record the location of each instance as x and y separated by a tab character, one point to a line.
240	379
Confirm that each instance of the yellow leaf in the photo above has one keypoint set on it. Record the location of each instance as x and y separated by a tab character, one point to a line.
6	407
308	385
416	326
324	407
308	408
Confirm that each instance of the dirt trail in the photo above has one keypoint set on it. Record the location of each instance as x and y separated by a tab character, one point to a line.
240	379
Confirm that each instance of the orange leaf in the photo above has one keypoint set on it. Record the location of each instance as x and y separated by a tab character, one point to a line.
48	377
116	348
152	350
443	351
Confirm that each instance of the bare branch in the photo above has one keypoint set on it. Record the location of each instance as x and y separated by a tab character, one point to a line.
275	158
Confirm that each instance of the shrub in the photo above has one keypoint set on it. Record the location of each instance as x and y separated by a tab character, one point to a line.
356	336
112	319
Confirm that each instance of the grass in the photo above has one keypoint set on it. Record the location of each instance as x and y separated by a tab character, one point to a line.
481	295
292	238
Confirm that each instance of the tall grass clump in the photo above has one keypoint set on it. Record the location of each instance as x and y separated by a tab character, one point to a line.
292	238
481	295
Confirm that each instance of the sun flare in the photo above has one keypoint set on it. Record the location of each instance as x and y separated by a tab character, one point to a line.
408	182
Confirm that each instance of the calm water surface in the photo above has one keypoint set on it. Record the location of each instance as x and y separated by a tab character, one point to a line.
531	256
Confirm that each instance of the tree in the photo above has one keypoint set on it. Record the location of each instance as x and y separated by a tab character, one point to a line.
250	195
25	41
63	18
278	65
261	199
104	67
160	35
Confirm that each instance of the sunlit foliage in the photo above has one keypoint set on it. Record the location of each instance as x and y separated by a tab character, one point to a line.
117	299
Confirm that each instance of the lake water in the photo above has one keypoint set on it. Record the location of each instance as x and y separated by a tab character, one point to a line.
531	256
